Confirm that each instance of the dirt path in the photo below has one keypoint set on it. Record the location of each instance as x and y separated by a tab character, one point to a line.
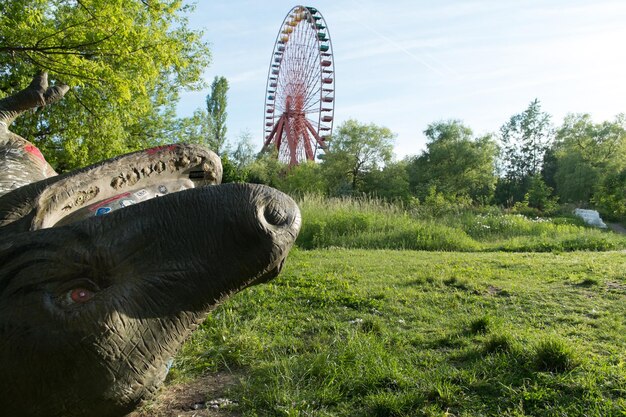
202	397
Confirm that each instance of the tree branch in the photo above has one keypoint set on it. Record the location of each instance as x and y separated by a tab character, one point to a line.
37	94
53	34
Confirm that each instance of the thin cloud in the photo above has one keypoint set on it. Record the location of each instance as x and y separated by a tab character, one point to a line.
434	66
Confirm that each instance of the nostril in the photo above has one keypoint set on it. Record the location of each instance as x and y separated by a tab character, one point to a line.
276	214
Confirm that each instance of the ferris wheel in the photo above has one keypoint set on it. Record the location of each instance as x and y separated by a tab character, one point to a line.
300	91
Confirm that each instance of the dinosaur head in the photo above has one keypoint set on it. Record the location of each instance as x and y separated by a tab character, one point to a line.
100	284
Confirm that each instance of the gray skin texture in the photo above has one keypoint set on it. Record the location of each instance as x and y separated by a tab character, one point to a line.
92	308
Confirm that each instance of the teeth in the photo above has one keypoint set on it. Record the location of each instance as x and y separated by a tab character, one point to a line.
117	182
133	176
159	166
182	162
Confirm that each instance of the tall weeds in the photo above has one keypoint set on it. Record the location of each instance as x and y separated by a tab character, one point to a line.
369	223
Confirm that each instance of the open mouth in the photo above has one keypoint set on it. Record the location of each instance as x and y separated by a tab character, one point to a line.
126	199
125	181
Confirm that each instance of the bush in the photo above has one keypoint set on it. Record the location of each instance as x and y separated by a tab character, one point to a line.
611	198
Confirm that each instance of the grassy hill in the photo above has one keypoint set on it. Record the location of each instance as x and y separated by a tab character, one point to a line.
374	224
406	333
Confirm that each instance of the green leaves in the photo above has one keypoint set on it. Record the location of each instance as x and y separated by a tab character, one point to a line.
587	154
525	139
216	108
454	163
125	61
357	149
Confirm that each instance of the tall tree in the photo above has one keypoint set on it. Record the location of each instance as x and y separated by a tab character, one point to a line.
125	62
610	196
216	103
355	150
455	163
524	141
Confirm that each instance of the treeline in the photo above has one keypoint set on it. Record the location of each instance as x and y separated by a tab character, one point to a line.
529	165
127	62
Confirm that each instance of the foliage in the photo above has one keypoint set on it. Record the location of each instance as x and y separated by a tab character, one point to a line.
586	153
352	228
436	204
244	154
439	225
349	333
454	163
125	61
355	150
389	183
266	168
216	103
524	141
611	197
538	200
237	163
194	128
307	177
231	172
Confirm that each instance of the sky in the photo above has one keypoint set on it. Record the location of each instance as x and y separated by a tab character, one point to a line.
404	64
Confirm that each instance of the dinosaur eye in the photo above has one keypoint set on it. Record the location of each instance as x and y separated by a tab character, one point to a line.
79	295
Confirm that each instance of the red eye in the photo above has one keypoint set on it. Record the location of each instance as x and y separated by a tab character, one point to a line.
80	295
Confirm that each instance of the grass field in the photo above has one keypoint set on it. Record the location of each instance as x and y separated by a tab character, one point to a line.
352	332
374	224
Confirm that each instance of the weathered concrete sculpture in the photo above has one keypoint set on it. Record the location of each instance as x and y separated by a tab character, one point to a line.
93	306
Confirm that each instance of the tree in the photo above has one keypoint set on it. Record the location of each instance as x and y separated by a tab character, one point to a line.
243	155
454	163
216	107
266	168
586	153
611	196
524	141
194	128
237	164
306	177
539	195
124	61
355	150
391	182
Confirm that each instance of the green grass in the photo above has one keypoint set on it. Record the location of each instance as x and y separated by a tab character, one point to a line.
406	333
374	224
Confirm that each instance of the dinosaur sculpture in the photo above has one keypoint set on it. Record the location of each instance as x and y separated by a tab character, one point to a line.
100	283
